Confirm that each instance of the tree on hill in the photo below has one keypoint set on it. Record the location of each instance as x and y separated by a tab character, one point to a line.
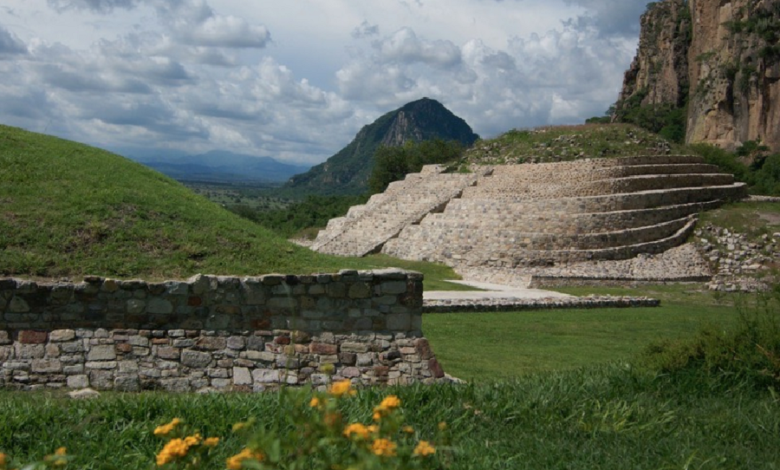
394	163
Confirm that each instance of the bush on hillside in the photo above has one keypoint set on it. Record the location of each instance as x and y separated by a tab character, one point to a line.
747	354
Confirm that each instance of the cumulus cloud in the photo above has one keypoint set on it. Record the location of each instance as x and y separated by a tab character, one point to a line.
10	44
200	74
365	30
609	17
224	31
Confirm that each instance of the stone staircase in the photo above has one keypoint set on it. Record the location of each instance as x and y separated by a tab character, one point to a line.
559	213
366	228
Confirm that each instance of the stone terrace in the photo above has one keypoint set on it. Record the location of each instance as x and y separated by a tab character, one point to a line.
535	214
560	213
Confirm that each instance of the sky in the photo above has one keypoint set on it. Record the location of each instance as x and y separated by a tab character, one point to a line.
297	79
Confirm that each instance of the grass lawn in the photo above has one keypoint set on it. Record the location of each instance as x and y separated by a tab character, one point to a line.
483	346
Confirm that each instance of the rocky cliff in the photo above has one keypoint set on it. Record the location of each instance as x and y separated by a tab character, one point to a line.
720	60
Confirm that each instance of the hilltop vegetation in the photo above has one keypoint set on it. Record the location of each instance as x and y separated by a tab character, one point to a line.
70	209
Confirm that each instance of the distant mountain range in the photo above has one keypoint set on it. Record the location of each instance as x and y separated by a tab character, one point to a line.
347	171
219	166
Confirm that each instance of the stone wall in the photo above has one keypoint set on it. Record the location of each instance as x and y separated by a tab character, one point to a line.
210	332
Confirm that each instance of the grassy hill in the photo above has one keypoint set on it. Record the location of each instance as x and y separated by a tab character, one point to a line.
68	209
564	143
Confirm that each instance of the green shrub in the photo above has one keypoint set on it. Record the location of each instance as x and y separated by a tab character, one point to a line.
748	354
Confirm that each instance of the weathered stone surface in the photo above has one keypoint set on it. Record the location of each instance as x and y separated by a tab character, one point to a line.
62	335
242	376
266	376
32	337
195	359
78	381
101	353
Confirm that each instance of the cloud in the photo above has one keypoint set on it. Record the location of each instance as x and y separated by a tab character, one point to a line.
224	31
100	6
365	30
10	44
610	17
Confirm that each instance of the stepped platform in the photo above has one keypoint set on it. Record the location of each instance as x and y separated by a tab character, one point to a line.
366	228
532	215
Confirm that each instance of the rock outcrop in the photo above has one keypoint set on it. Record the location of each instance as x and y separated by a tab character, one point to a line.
720	58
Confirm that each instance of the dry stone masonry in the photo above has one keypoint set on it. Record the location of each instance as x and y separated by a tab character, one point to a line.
543	215
209	332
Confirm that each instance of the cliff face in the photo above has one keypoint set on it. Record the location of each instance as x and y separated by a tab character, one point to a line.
659	72
731	68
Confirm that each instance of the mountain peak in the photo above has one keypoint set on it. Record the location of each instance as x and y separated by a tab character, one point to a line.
347	171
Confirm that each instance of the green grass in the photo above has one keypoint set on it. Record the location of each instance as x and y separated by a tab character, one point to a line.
70	210
608	418
562	143
483	346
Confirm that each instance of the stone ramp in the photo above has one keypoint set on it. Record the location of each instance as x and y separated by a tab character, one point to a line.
365	229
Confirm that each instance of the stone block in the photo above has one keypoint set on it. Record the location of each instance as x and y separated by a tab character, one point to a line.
127	383
29	351
102	365
78	381
58	336
18	305
266	376
159	306
398	322
71	347
6	353
242	376
46	366
167	352
236	342
177	384
5	338
101	379
264	356
393	287
354	347
32	337
195	359
75	369
101	353
322	348
211	343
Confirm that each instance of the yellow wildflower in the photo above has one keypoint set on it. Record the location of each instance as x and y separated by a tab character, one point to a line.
166	429
176	448
408	430
424	449
373	429
341	388
442	426
3	460
383	447
58	459
239	426
357	429
390	403
234	463
211	441
315	402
